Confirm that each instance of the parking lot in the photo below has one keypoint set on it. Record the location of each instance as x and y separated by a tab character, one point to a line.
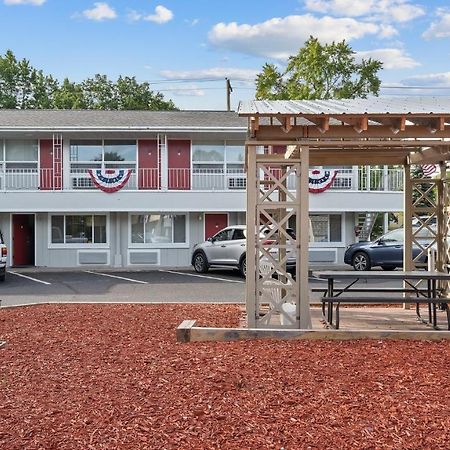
164	285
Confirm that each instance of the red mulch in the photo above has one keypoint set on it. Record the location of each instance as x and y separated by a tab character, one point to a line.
113	377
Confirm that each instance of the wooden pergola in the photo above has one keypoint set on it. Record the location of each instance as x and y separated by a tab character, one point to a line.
376	131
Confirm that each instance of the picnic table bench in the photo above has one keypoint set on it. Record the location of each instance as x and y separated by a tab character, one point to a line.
430	294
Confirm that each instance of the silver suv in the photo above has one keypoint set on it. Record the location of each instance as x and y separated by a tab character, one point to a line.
227	248
3	254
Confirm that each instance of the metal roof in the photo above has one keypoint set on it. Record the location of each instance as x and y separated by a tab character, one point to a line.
120	120
420	106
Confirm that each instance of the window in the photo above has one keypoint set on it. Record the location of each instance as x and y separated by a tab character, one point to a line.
238	234
208	152
19	154
326	227
107	151
158	229
78	229
394	236
224	235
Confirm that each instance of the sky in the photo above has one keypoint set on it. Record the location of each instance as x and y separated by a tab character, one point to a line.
186	48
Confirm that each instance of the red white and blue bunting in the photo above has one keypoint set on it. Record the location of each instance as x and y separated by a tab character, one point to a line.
110	180
320	180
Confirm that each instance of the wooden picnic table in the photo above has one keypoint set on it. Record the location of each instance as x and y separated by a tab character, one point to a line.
429	294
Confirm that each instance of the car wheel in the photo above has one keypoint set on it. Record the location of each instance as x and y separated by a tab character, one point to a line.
388	267
2	277
361	261
243	266
200	263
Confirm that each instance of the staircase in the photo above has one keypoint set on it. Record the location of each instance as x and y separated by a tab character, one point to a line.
366	221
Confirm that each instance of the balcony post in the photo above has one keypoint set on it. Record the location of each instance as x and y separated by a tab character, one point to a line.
66	165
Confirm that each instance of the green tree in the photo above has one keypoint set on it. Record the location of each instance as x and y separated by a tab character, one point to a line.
320	72
24	87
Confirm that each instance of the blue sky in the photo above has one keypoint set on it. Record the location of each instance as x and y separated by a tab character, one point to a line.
193	45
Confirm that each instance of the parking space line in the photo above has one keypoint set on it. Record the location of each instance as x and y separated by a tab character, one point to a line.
29	278
201	276
115	276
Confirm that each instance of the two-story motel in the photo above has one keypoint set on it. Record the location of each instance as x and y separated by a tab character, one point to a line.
187	182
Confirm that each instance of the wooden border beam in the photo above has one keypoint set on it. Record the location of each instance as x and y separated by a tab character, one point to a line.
322	123
359	124
430	155
188	332
395	124
414	145
433	124
297	132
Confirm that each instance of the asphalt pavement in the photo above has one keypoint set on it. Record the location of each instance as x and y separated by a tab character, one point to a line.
155	286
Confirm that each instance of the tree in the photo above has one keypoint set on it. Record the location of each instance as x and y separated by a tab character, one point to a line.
320	72
24	87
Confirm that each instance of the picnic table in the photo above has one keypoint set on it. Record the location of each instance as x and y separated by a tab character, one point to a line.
412	292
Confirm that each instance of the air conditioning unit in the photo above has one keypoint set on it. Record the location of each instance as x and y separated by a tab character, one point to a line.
237	183
82	182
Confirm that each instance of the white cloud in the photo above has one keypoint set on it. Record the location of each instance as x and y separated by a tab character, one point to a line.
134	16
162	15
101	11
392	58
440	28
214	73
281	37
441	79
384	10
24	2
189	91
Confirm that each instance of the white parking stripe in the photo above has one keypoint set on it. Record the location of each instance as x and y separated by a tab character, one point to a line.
29	278
201	276
115	276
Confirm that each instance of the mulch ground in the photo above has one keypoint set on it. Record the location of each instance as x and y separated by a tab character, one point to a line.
113	377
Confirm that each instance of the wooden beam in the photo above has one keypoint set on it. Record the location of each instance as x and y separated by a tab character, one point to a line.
291	151
430	155
206	334
395	124
361	143
433	124
267	132
254	125
359	124
322	123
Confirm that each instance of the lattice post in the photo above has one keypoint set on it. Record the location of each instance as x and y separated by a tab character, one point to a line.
276	299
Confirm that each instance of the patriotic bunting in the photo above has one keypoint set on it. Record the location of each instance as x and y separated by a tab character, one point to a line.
429	169
320	180
110	180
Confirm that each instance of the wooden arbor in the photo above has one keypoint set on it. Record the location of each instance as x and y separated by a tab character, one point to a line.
398	131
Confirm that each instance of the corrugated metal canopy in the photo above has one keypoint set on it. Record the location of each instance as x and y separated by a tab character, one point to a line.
414	106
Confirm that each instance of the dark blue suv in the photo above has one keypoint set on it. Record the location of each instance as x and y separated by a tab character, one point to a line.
386	251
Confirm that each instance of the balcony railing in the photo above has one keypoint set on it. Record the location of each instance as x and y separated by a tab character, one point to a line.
196	179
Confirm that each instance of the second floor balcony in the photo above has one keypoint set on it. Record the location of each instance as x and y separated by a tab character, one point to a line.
196	179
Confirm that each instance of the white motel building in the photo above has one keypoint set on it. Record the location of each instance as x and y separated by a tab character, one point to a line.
140	188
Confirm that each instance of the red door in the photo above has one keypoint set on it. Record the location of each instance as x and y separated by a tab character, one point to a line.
179	163
149	165
23	239
214	223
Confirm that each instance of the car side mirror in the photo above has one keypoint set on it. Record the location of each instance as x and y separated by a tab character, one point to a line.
211	239
381	242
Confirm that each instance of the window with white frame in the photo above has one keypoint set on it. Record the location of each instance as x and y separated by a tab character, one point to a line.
218	165
19	153
159	229
81	229
327	227
99	154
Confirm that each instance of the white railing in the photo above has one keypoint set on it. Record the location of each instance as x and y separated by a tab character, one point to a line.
81	180
197	179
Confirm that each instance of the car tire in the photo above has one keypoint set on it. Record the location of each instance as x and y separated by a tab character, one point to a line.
388	267
243	267
2	277
200	263
361	261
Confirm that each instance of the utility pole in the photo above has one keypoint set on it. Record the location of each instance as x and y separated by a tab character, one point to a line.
229	91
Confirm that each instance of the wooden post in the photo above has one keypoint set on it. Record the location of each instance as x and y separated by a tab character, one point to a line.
440	219
407	223
303	254
252	195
